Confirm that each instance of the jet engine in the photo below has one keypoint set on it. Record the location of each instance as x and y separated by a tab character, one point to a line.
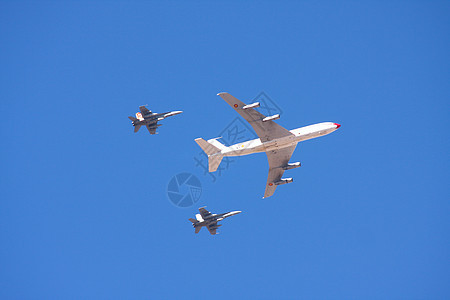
253	105
284	181
292	166
271	118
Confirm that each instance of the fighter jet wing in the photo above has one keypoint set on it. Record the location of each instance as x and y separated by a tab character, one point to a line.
211	228
151	129
277	160
144	110
267	130
204	213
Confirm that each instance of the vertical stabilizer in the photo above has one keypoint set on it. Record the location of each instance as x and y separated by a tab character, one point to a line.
139	116
199	217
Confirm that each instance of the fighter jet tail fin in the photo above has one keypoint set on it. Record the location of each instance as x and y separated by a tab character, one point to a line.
136	127
194	221
213	149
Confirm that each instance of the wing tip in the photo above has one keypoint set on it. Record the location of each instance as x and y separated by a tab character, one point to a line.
222	93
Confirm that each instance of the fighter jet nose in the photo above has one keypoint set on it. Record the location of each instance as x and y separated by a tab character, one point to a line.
337	125
232	213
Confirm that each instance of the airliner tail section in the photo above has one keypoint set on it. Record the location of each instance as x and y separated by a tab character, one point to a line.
213	149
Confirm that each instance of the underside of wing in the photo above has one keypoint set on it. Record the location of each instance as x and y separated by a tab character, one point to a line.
266	129
278	160
152	129
204	213
212	229
144	110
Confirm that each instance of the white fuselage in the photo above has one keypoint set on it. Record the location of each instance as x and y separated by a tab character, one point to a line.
298	135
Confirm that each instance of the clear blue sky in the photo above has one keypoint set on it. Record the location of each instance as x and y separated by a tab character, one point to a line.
84	211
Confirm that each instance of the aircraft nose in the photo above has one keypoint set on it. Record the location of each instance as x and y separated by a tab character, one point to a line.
337	125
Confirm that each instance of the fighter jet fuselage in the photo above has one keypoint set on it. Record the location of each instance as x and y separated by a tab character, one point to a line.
298	135
209	220
149	119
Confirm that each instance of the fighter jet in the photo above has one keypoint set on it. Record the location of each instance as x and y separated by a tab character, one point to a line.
277	142
149	119
209	220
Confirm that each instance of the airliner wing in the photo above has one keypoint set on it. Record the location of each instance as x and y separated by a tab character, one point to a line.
277	160
267	130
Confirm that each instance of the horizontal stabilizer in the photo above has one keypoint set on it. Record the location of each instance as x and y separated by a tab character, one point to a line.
207	147
137	127
197	229
132	119
213	149
214	162
217	144
193	220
